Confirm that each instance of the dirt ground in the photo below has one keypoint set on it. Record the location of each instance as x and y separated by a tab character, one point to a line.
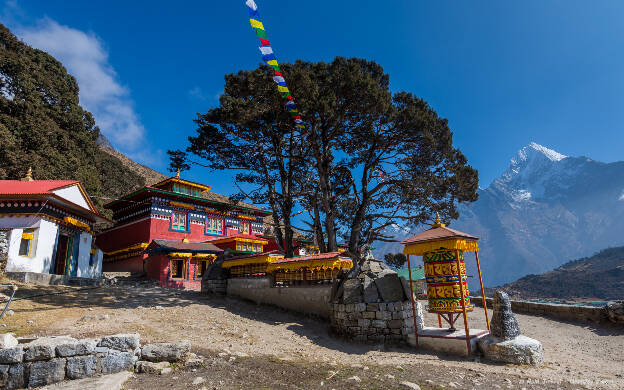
290	351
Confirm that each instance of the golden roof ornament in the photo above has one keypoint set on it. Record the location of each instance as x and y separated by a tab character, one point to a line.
438	223
178	174
28	175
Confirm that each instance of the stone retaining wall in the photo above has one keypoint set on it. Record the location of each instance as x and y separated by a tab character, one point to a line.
388	323
214	286
303	299
554	310
4	249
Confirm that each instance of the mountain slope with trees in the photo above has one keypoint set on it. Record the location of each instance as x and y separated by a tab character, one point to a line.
43	126
600	276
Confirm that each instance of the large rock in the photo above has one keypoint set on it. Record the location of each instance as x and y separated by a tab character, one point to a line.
8	341
504	324
389	286
371	295
352	291
615	311
77	347
145	367
11	355
519	350
44	348
45	373
167	352
116	361
81	367
121	342
12	377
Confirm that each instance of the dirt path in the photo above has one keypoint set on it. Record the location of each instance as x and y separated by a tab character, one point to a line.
576	355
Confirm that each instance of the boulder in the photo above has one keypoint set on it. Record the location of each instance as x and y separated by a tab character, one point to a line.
81	367
45	373
615	311
503	324
352	291
145	367
116	361
8	341
77	347
15	377
168	352
389	286
519	350
371	294
121	342
11	355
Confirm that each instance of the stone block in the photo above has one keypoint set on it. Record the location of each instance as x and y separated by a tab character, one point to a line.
15	377
169	352
372	307
368	314
121	342
371	294
352	291
79	347
46	372
519	350
383	315
8	341
364	323
398	315
376	338
389	286
115	361
382	306
359	307
395	331
145	367
349	307
379	323
44	348
395	324
81	367
11	355
355	330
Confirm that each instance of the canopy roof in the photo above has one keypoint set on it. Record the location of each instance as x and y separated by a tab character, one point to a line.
437	234
256	258
439	237
319	261
181	246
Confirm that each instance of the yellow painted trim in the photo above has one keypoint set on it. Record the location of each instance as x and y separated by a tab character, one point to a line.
179	255
186	183
130	248
182	205
77	223
311	264
28	236
419	248
238	239
246	217
204	256
251	260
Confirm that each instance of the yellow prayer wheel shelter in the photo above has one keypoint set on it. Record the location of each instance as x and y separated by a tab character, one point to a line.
443	249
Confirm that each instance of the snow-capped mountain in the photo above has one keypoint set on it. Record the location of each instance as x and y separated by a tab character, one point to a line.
544	210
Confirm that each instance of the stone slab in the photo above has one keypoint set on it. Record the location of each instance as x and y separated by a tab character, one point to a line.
108	382
47	372
168	352
389	286
441	340
121	342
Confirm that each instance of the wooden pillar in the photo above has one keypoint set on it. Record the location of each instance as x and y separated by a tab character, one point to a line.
487	320
439	321
409	268
463	302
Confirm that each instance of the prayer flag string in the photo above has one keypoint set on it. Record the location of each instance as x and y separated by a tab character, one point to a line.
269	58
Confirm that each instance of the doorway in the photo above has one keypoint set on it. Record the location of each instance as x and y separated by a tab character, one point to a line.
64	255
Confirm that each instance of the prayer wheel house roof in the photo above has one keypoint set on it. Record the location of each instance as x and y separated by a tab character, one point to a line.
439	237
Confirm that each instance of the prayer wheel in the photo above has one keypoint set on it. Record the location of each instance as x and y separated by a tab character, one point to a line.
444	293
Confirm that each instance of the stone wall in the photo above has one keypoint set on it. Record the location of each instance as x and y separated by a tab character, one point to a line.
4	249
214	286
26	363
303	299
554	310
387	323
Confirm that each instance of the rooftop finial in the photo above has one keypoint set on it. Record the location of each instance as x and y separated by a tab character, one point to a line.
178	174
438	223
28	175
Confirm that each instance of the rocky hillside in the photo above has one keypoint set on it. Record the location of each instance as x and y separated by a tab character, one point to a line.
544	210
43	126
600	276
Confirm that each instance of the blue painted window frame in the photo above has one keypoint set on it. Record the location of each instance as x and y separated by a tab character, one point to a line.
186	224
224	232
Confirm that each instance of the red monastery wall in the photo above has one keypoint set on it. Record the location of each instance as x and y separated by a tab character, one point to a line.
124	236
133	264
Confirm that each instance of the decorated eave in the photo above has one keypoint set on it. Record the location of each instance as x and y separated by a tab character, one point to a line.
439	237
165	183
248	238
323	261
144	193
182	247
258	258
125	253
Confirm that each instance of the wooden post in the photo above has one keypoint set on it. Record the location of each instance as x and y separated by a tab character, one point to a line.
409	268
439	321
463	302
487	320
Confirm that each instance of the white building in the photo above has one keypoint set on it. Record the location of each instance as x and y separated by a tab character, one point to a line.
50	227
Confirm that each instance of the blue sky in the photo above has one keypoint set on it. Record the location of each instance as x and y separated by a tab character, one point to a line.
503	73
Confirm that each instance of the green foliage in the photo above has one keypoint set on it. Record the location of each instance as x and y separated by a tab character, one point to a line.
42	125
396	260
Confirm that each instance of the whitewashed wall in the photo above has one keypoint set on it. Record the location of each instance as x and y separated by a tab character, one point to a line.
84	255
41	253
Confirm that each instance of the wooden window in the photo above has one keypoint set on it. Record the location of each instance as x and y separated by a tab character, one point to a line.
178	221
26	244
177	269
245	227
200	268
214	225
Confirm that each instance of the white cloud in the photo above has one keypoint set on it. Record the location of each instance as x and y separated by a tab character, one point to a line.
101	93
